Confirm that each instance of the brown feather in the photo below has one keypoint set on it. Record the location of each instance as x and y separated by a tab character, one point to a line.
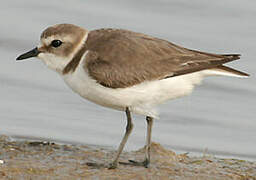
121	58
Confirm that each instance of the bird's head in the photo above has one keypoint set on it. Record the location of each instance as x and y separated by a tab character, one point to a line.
58	45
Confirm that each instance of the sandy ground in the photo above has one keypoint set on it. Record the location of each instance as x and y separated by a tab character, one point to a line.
47	160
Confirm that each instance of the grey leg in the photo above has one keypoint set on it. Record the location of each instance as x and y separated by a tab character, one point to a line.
146	162
148	144
128	131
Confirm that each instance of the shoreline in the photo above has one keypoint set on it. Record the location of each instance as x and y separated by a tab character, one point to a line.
27	159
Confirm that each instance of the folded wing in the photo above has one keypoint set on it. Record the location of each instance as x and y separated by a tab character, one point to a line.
120	58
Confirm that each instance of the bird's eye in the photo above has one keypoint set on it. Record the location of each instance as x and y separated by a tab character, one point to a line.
56	43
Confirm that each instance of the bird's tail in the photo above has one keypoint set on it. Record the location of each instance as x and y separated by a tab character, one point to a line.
222	70
232	56
227	71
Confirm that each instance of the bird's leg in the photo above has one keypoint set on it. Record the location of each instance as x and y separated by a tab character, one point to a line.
146	162
128	131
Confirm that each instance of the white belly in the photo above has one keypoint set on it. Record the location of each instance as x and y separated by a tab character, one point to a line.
141	99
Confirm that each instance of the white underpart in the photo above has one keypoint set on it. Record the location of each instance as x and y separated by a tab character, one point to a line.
141	98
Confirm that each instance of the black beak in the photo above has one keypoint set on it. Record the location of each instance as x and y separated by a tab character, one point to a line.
32	53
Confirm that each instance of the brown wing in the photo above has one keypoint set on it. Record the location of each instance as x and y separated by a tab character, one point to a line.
120	58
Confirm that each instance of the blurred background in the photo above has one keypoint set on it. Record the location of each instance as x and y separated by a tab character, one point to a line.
219	116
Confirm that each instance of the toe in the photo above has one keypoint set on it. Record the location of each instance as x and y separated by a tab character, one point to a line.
112	166
144	163
95	165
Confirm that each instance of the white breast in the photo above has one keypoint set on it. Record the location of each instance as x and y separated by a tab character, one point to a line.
140	98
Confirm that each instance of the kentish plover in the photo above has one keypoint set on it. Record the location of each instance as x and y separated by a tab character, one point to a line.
125	70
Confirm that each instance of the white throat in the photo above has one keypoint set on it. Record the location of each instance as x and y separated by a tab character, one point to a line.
58	63
54	62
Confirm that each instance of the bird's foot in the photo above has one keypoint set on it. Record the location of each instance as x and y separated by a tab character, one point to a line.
96	165
112	165
144	163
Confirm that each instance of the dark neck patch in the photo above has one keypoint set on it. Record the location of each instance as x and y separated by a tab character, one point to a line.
72	65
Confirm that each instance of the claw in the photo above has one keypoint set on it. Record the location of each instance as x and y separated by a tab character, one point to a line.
95	165
144	163
112	166
98	165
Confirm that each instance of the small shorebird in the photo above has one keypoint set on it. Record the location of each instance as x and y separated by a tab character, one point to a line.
127	71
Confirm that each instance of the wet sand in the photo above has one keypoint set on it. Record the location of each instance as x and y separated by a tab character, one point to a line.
48	160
